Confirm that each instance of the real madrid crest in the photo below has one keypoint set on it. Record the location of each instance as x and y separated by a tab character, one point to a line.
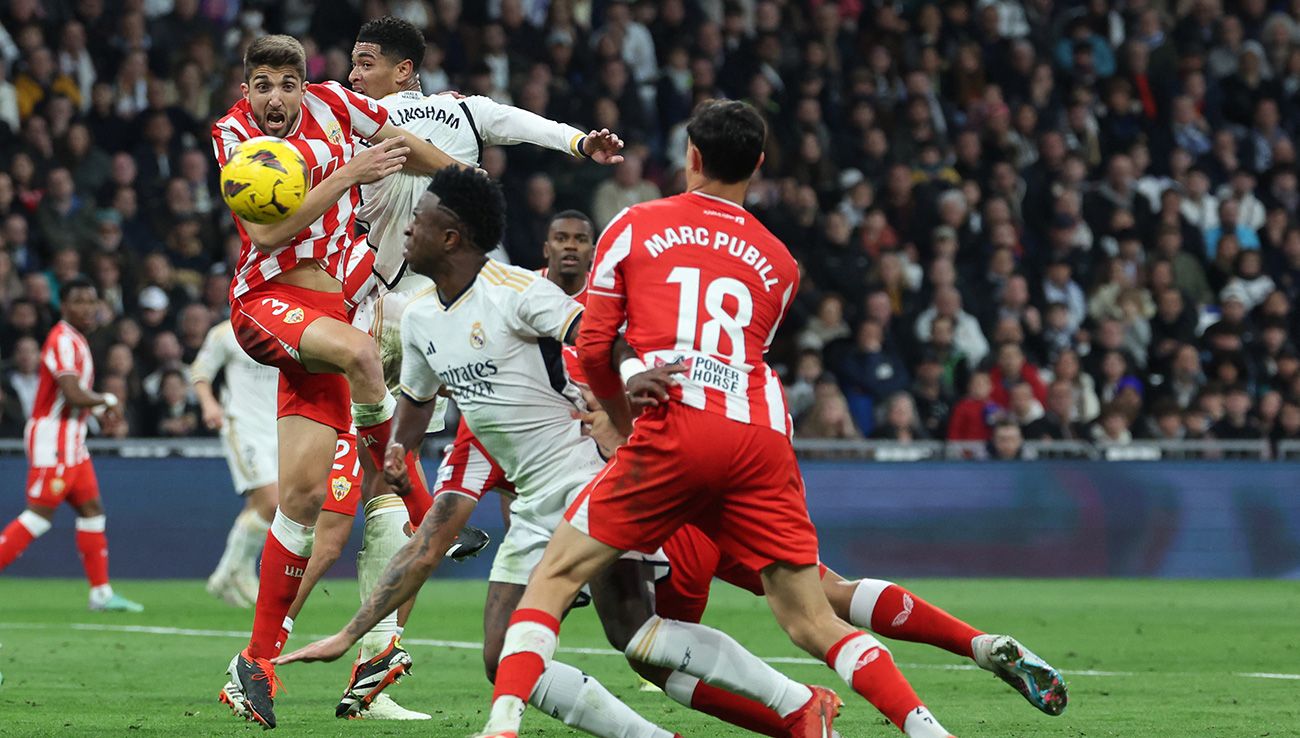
294	316
340	487
477	338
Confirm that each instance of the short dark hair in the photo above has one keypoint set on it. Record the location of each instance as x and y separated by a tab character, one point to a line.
398	39
76	283
730	136
276	51
477	200
573	215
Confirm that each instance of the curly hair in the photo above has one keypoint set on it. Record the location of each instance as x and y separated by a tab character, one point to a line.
476	200
397	39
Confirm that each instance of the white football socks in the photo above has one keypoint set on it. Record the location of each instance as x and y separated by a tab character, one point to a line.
717	659
581	702
386	518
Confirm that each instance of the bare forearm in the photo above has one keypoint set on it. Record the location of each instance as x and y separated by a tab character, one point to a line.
414	562
269	237
411	421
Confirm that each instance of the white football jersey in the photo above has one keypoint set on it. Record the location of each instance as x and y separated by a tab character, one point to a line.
497	348
249	393
461	128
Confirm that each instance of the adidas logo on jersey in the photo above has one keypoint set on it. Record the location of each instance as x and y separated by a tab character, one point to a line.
429	350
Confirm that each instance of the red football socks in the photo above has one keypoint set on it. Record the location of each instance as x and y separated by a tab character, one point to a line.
869	669
282	572
901	615
517	674
13	541
739	711
92	545
417	499
374	439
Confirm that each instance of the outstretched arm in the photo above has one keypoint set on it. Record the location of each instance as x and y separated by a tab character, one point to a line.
406	573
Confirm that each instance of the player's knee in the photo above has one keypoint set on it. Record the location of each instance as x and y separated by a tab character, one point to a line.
619	632
90	508
361	357
805	632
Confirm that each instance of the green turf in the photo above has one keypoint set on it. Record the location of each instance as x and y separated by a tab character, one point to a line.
1179	647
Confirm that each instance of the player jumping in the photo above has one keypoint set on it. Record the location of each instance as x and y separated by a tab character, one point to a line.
245	418
287	311
59	467
700	283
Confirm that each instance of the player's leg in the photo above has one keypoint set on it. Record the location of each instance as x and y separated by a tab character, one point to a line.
332	531
894	612
92	541
561	691
32	523
438	532
683	596
333	346
43	498
763	525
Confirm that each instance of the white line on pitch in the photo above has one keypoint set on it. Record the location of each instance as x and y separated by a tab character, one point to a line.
470	645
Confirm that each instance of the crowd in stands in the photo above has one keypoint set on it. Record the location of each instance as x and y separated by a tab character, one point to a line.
1066	220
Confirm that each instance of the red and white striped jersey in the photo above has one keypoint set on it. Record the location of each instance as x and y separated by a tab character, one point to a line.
700	282
56	432
332	121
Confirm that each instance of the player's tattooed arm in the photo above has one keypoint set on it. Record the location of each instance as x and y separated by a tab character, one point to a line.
406	573
414	562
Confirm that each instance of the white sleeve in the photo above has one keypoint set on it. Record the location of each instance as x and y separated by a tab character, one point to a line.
542	310
213	355
418	382
504	125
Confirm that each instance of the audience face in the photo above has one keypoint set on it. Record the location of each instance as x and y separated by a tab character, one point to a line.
1007	442
27	356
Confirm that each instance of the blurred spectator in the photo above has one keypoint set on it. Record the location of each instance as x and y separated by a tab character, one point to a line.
869	372
829	416
968	337
972	416
1010	370
627	187
826	326
800	392
1007	443
1086	404
1112	427
899	421
24	374
1057	422
1237	423
173	413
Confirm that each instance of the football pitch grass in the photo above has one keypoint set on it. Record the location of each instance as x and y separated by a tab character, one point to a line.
1142	658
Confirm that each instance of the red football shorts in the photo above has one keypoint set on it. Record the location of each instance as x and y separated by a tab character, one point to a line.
269	322
343	490
51	485
738	483
467	468
693	562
